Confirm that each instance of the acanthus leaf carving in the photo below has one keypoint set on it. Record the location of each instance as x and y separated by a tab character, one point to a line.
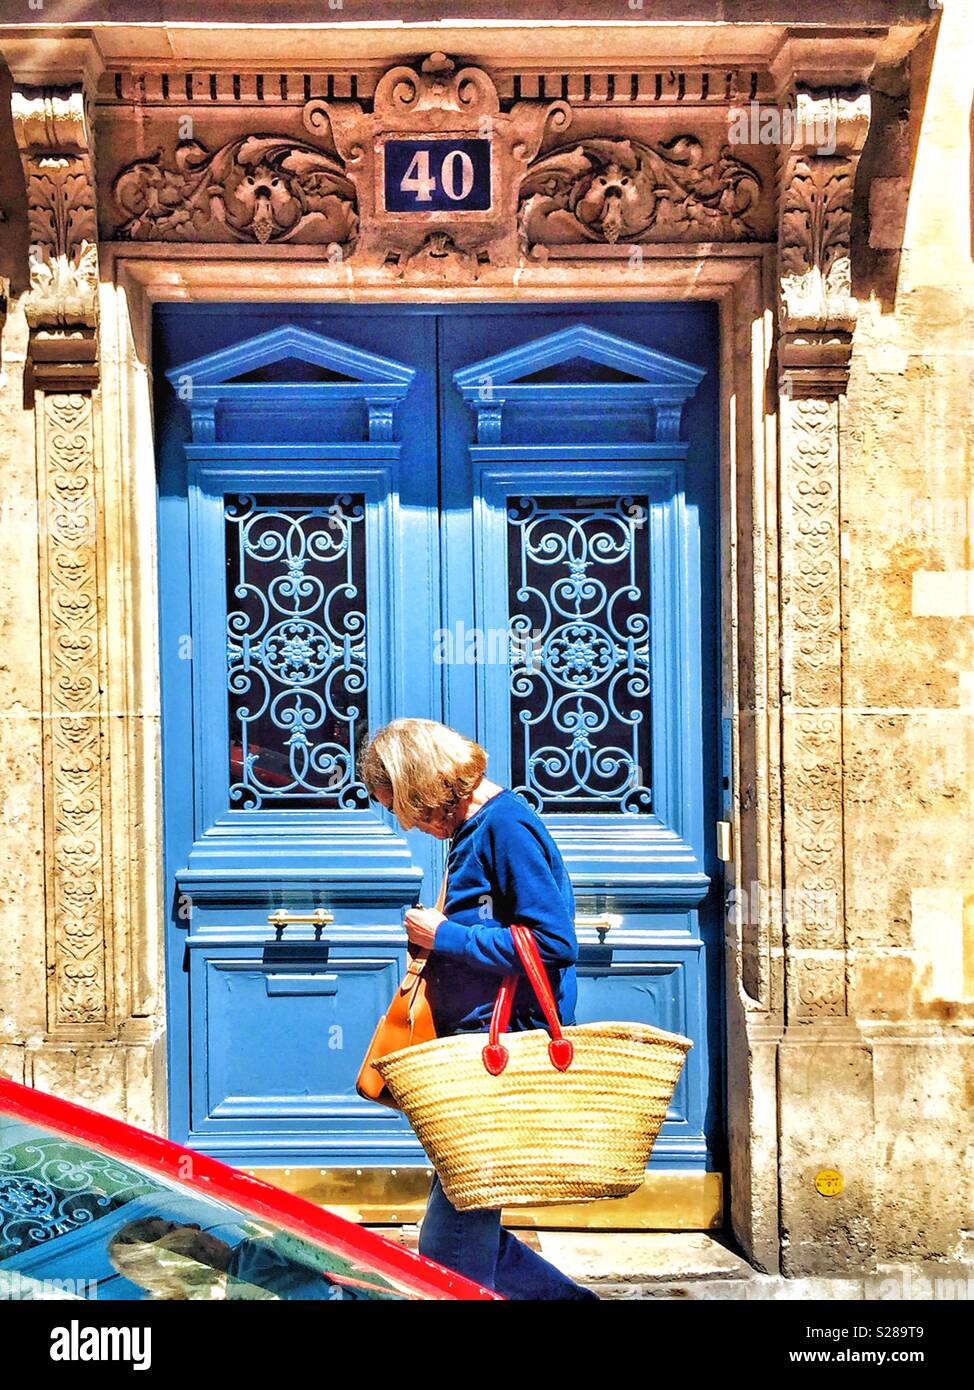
816	219
817	308
256	188
630	191
53	133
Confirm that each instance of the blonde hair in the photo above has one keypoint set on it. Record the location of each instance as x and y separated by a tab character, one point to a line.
422	766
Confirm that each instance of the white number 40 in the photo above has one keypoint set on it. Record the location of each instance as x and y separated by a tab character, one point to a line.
457	166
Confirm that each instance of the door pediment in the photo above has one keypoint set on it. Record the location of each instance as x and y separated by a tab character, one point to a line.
291	343
215	380
634	374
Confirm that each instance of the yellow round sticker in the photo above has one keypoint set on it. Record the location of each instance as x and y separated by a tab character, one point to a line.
829	1182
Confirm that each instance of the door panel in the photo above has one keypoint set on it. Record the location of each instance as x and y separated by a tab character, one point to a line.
359	510
236	996
298	494
579	460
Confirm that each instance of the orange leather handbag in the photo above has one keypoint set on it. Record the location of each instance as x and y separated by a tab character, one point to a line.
407	1020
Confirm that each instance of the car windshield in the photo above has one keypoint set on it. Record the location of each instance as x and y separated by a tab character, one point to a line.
82	1216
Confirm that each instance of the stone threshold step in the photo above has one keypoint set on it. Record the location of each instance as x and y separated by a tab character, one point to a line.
621	1257
698	1265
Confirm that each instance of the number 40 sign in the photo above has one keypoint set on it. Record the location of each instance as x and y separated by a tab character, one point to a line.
437	175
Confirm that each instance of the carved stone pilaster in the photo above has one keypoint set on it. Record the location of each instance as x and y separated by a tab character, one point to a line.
53	130
817	318
811	708
76	774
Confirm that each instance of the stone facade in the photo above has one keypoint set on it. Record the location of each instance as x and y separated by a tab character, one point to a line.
844	274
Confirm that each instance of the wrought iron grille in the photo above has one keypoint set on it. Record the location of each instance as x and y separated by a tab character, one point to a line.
296	650
578	590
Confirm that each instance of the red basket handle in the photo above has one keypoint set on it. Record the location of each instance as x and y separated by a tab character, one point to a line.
561	1050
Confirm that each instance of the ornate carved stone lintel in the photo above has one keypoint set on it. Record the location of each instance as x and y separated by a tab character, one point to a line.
601	191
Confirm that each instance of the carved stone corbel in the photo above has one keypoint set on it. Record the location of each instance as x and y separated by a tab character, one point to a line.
53	130
816	321
817	310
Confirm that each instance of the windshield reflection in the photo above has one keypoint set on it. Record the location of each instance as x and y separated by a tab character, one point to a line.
75	1222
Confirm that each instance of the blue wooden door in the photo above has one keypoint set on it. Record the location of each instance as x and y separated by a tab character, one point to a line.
501	517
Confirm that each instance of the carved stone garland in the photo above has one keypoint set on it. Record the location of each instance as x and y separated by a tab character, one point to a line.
53	136
817	316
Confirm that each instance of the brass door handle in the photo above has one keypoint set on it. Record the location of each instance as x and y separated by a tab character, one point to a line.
318	919
601	924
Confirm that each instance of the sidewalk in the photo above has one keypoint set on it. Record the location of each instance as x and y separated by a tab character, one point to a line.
693	1264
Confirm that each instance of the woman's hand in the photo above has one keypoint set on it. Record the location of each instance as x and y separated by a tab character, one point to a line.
421	925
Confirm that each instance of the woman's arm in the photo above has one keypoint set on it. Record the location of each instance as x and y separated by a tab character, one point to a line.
529	893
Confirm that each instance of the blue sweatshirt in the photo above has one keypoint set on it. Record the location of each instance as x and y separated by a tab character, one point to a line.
504	867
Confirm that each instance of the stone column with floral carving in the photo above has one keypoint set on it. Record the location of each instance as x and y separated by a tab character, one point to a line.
817	317
53	131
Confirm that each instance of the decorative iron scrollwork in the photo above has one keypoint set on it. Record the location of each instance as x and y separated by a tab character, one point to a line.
296	650
578	573
50	1187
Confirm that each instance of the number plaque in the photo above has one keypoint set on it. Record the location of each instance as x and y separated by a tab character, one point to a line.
437	175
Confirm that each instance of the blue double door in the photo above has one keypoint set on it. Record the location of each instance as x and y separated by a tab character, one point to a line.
500	517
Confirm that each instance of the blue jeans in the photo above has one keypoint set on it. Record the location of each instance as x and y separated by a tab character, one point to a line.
475	1243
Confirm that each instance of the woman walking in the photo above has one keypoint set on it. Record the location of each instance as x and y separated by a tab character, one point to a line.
503	867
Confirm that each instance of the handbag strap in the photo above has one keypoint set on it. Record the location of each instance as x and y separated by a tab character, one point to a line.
441	900
417	956
561	1050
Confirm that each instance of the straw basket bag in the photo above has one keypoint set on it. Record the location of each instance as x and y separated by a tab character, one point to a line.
545	1117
